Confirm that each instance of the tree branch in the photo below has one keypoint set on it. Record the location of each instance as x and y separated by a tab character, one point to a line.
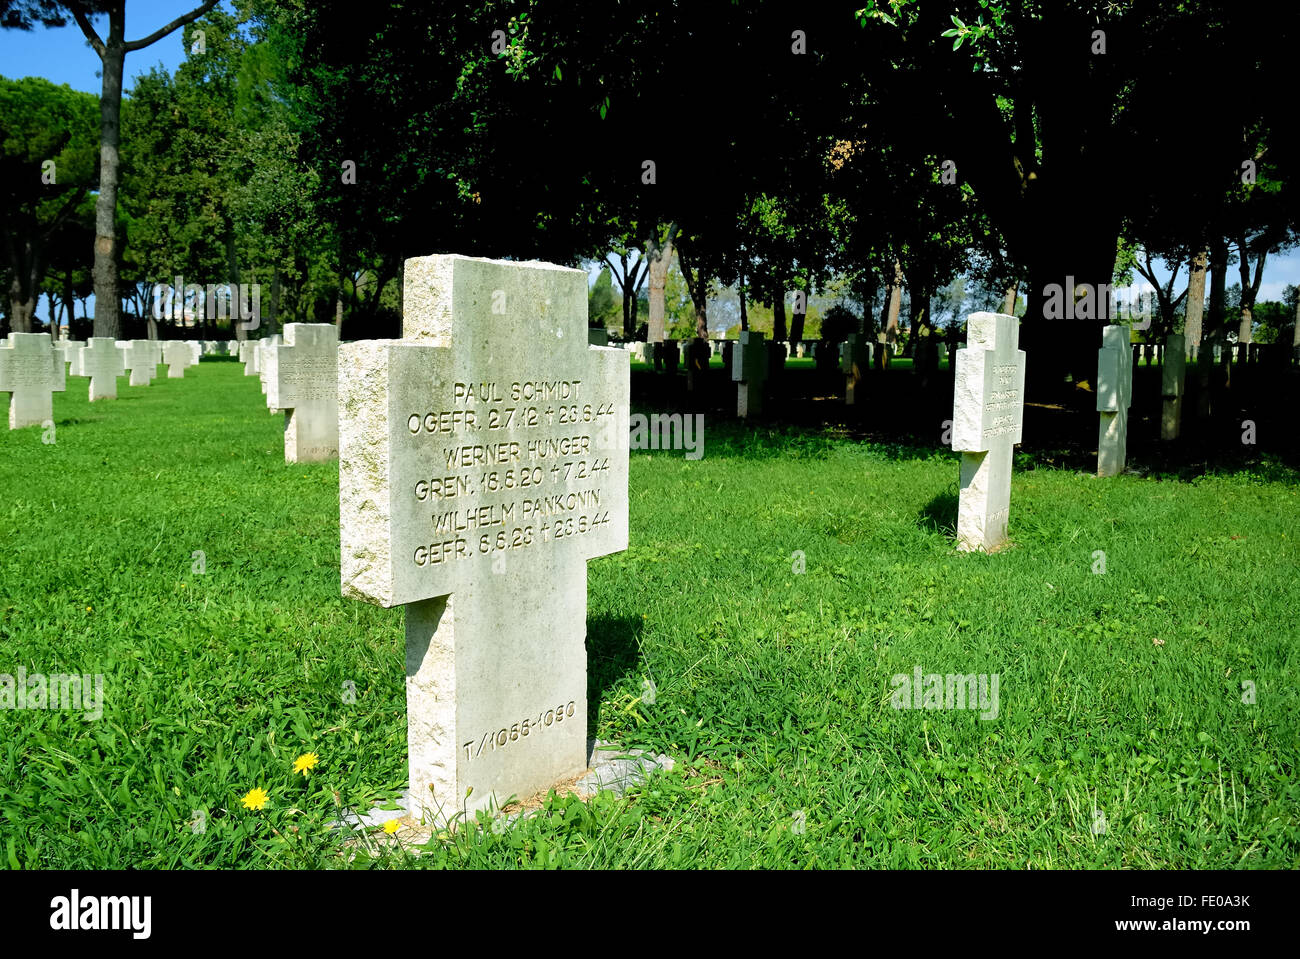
163	31
83	21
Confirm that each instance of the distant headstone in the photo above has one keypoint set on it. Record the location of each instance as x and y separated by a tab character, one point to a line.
988	410
482	464
749	369
176	354
68	350
302	380
1114	393
141	359
943	351
882	351
855	360
248	356
1173	376
101	361
196	351
265	357
211	347
670	352
31	371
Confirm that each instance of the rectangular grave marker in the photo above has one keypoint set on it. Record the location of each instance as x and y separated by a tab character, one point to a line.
1173	376
749	368
248	356
1114	394
101	361
31	371
855	360
988	411
302	380
481	466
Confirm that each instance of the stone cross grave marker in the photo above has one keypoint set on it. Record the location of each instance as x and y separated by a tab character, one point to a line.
749	367
266	347
481	465
302	380
138	357
101	361
196	351
988	410
1114	393
248	356
1173	376
855	360
177	355
68	350
31	372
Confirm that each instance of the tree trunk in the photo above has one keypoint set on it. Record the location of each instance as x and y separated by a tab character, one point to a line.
659	256
1216	318
1009	302
892	306
1195	303
108	308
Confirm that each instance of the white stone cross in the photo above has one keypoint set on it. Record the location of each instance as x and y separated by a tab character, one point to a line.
100	360
1114	394
248	356
988	410
177	355
31	371
855	360
1172	379
302	379
69	349
140	358
480	468
749	365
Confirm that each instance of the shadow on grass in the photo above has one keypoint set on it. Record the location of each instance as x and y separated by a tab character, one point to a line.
940	514
613	650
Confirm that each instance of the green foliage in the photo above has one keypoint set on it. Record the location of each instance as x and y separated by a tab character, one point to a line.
602	305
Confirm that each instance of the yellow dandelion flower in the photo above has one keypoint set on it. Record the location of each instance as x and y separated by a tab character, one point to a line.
305	762
392	826
255	799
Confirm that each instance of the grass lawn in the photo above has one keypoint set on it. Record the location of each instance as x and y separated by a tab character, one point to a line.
1121	740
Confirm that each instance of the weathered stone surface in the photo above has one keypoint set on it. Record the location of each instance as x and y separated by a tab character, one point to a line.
1173	376
988	410
1114	393
749	369
481	466
101	361
31	371
302	380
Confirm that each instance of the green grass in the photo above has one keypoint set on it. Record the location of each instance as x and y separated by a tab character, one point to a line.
772	687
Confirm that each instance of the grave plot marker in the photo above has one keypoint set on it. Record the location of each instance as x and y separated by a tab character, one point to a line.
31	372
988	410
302	380
481	466
1173	376
101	361
1114	394
248	356
177	355
139	358
855	360
749	368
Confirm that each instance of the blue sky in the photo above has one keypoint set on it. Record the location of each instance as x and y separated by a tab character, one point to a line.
62	55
